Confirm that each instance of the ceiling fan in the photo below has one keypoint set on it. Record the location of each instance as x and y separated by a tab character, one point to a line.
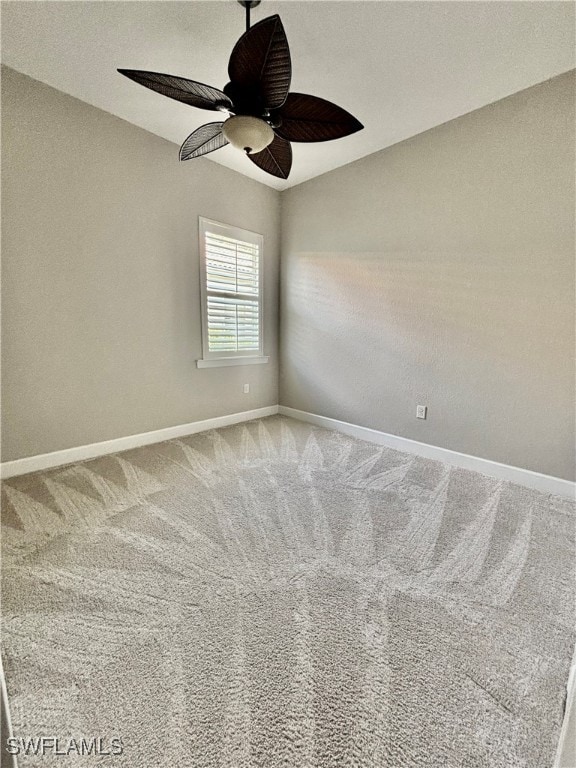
264	117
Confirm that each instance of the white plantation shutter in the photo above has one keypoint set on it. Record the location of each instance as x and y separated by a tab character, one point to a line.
231	290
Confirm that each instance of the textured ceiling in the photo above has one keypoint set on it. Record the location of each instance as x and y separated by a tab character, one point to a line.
399	67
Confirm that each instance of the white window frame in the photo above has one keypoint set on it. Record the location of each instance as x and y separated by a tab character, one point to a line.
234	357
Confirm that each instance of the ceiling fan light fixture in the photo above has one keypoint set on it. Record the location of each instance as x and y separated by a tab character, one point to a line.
250	134
265	114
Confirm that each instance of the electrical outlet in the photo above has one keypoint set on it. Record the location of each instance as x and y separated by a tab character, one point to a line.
246	388
421	411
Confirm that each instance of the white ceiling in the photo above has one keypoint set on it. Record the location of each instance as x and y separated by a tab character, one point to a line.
399	67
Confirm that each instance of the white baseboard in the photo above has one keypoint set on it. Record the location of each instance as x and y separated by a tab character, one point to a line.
83	452
526	477
566	753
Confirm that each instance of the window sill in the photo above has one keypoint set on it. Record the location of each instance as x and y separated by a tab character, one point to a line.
218	362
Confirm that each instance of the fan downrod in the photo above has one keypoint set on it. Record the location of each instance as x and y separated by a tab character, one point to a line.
248	4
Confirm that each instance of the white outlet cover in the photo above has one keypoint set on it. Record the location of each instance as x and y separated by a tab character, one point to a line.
421	411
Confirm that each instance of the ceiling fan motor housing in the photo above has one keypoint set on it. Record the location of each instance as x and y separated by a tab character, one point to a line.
247	100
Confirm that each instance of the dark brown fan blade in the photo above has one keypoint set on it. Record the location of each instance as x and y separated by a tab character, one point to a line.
308	118
275	159
187	91
261	59
205	139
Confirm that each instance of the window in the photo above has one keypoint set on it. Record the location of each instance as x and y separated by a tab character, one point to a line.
231	291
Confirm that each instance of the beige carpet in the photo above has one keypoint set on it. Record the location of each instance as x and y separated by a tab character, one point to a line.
279	596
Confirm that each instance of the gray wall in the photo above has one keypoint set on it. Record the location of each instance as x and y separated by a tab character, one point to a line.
440	272
100	313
